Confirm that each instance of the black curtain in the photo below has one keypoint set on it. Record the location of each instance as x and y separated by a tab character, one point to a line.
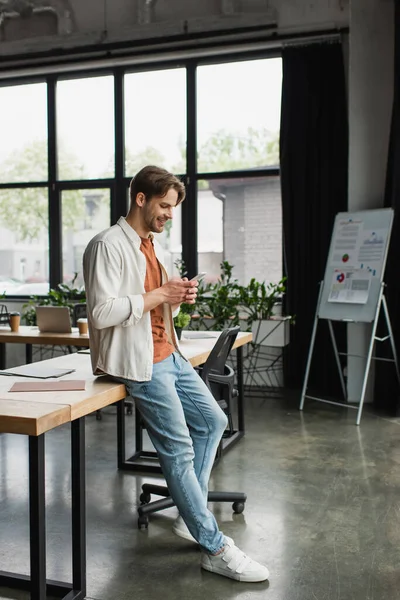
387	395
314	175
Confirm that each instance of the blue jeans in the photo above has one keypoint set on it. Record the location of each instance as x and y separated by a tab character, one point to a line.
185	425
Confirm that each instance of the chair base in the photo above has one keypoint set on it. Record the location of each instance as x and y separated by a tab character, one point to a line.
238	500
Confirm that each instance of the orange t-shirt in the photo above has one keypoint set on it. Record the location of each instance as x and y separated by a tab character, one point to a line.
162	347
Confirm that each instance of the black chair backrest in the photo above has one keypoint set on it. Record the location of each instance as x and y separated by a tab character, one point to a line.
80	312
215	363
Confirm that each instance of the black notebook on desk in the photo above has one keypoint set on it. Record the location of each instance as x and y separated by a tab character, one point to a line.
36	371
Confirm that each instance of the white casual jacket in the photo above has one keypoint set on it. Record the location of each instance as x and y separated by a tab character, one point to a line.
114	270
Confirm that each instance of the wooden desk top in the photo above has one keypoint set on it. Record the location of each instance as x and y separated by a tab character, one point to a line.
31	418
32	335
100	391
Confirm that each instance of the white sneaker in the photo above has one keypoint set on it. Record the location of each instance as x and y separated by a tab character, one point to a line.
180	528
234	563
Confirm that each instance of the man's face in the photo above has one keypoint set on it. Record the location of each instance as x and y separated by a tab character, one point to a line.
158	210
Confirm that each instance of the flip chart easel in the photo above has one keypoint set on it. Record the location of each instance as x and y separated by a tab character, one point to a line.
353	289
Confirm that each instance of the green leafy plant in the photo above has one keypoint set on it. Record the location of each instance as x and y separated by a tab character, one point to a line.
185	308
219	301
63	295
227	303
259	299
216	303
181	320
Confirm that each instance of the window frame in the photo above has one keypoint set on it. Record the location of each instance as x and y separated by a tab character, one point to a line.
119	183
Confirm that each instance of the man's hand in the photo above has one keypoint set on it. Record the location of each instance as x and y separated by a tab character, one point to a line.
174	292
178	290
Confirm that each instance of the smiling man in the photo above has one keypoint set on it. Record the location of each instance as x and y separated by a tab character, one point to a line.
130	303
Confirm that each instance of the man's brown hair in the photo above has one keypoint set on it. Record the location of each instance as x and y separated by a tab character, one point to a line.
154	181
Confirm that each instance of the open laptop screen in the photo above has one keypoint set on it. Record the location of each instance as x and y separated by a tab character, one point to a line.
53	319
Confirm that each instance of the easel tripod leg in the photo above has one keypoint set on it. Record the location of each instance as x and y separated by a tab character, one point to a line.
335	349
369	358
310	353
389	326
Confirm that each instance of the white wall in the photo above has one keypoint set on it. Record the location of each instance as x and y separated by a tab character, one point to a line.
370	104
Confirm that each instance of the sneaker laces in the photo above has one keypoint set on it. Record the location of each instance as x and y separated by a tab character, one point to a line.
236	559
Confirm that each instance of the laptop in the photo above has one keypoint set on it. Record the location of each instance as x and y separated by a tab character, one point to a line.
53	319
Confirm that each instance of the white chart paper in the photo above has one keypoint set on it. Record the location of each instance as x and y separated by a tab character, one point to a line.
372	249
346	244
350	286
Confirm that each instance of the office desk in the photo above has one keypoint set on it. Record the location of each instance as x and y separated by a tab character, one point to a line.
33	414
197	351
31	335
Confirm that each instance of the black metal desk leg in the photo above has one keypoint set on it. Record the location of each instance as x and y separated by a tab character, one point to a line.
28	353
37	517
121	433
142	461
78	508
239	368
138	431
2	356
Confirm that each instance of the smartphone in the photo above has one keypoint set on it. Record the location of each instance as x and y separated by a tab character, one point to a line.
199	276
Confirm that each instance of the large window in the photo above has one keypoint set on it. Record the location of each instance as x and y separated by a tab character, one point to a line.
24	248
70	146
210	237
24	227
85	128
23	127
155	120
84	214
238	114
239	218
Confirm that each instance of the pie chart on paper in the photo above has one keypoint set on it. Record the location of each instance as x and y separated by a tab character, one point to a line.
340	277
345	258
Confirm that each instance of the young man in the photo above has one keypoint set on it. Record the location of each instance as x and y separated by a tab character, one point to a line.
130	303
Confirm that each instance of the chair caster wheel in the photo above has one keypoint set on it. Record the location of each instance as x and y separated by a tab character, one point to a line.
144	498
143	522
238	507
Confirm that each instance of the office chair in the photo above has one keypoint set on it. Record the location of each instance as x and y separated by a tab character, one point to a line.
219	378
79	312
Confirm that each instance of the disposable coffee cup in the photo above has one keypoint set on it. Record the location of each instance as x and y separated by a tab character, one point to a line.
15	321
82	326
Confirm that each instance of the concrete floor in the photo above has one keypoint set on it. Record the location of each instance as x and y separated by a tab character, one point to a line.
323	511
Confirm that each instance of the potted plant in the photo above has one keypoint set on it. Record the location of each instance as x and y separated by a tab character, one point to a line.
226	303
217	303
259	301
181	320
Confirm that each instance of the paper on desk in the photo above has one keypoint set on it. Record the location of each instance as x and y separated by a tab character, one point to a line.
48	386
198	335
37	371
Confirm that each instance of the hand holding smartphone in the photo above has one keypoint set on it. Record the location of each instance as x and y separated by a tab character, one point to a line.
199	276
